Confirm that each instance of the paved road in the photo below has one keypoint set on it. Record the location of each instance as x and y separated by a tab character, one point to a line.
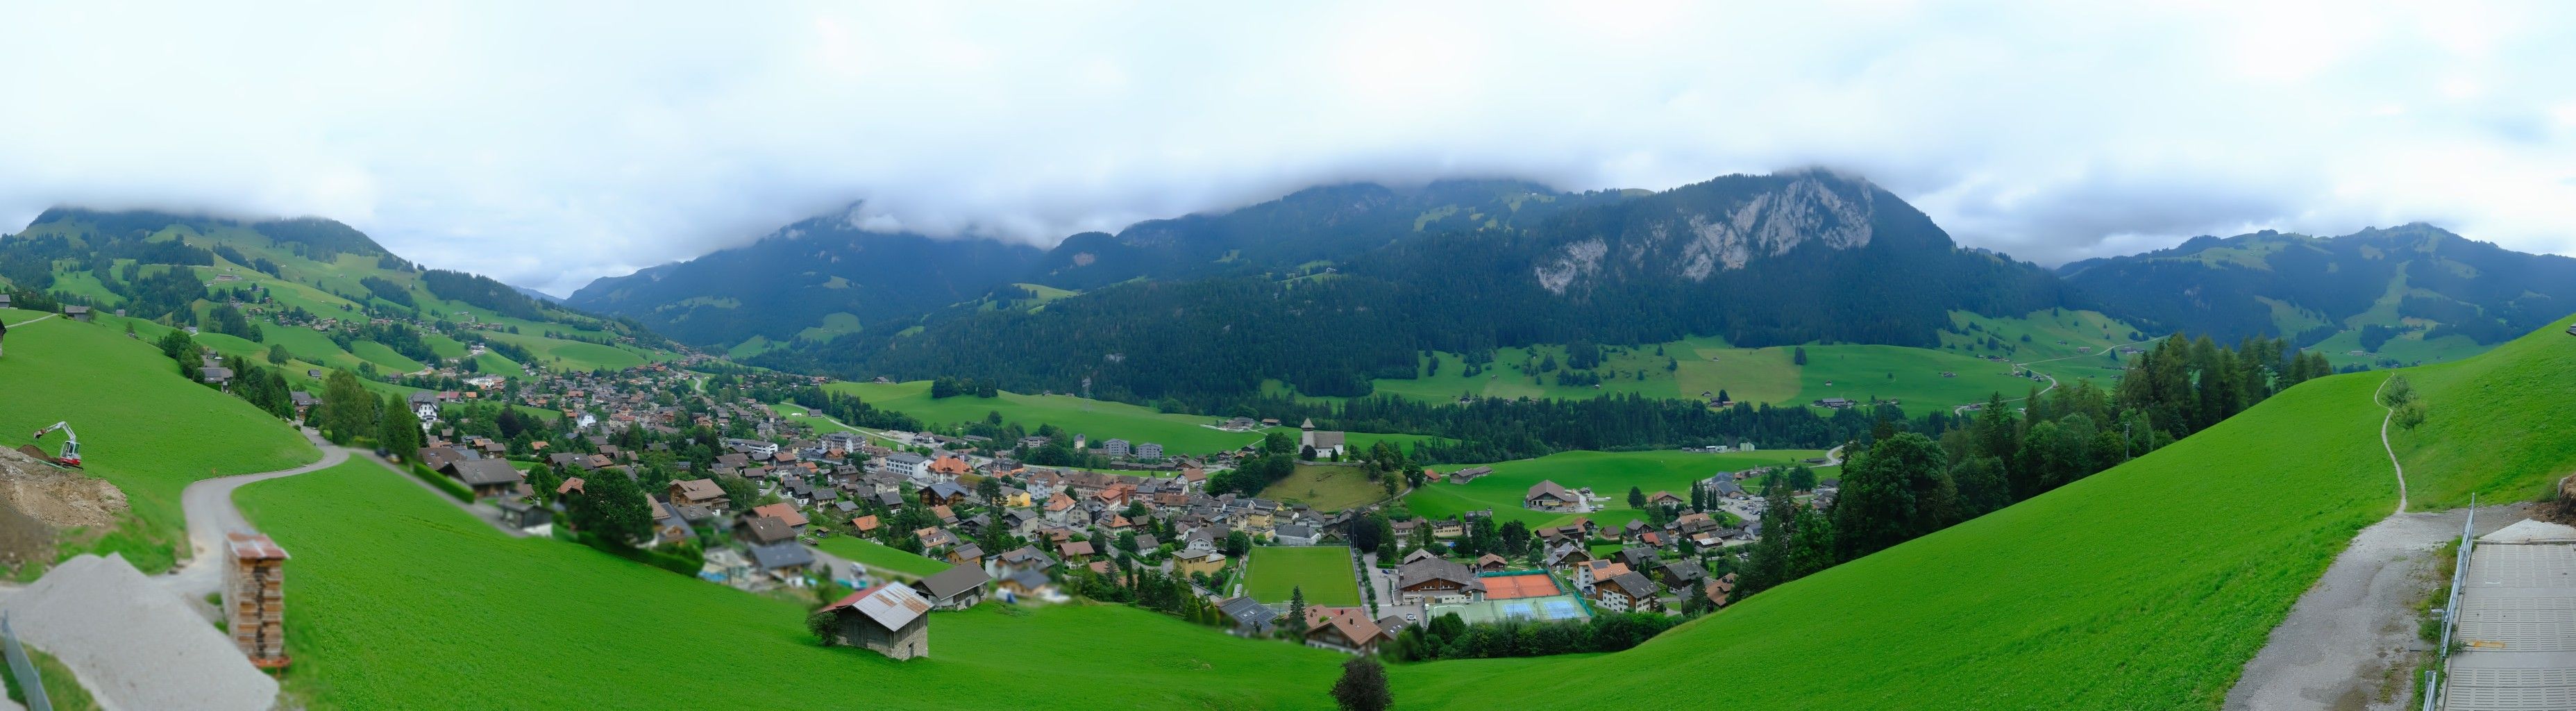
209	507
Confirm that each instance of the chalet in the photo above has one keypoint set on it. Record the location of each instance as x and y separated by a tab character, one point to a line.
784	513
1548	496
1435	580
765	530
864	525
1022	559
1666	498
1491	563
1566	555
1026	583
487	477
572	485
1343	629
1681	575
966	556
1626	592
1448	528
943	494
1835	403
524	516
1720	589
698	492
889	619
1074	551
934	537
956	588
437	458
948	468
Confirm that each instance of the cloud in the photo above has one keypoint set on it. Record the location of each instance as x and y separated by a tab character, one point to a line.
550	143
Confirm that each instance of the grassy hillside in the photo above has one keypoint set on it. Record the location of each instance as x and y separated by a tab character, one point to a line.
1608	473
142	427
475	619
1327	488
2499	424
2072	344
1098	420
2145	586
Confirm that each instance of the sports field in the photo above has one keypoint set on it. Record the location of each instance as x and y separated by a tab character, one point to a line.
1323	572
1528	609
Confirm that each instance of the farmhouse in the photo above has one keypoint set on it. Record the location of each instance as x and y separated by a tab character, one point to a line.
1343	629
1469	474
1835	403
1548	496
888	619
487	477
698	492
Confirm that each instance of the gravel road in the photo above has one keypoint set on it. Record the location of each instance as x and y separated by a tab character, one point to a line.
131	644
2349	642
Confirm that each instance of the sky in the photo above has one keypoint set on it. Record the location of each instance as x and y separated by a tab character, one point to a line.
547	144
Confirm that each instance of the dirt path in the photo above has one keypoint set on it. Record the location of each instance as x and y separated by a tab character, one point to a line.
2349	642
2391	416
208	506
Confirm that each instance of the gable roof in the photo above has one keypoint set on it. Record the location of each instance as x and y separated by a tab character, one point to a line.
785	513
950	583
1352	622
1548	489
1435	569
485	472
889	606
781	555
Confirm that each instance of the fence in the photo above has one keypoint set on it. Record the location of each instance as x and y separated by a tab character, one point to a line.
2433	678
22	668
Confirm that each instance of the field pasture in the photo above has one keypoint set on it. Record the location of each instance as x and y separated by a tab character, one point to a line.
1323	572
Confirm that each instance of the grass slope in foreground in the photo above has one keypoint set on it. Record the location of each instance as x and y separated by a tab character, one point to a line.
1323	572
2145	586
142	427
404	602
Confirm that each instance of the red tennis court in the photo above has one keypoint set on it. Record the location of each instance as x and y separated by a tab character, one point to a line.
1514	587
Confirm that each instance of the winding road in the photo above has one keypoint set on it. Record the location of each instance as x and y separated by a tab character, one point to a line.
208	505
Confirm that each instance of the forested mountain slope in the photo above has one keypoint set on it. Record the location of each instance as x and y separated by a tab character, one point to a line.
1757	260
2145	586
2402	295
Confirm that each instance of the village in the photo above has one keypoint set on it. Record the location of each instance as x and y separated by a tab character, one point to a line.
896	524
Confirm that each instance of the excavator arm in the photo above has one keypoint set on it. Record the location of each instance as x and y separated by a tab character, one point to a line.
71	443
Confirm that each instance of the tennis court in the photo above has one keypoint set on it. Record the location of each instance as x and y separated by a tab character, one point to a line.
1555	607
1518	585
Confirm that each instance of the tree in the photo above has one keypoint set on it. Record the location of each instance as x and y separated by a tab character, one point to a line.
1636	498
347	411
1295	622
1798	355
1898	490
825	626
277	354
1363	687
612	510
737	489
398	431
1236	544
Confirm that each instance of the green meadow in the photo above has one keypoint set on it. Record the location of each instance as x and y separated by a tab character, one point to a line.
142	427
1096	419
877	557
405	602
2145	586
1327	488
1322	572
1608	473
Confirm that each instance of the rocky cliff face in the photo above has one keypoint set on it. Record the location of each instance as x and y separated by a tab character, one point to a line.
1699	231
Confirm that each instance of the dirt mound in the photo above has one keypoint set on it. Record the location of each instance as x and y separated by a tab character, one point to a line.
57	497
38	500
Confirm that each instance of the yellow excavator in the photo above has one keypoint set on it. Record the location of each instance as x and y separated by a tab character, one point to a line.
71	445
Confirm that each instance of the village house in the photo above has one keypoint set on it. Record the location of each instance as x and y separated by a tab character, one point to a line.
888	619
956	588
1491	563
1469	474
1251	618
1208	562
1295	535
1435	580
486	477
1343	629
1626	592
1549	496
785	513
698	492
765	530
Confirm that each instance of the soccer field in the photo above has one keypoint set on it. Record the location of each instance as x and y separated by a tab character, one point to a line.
1323	572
